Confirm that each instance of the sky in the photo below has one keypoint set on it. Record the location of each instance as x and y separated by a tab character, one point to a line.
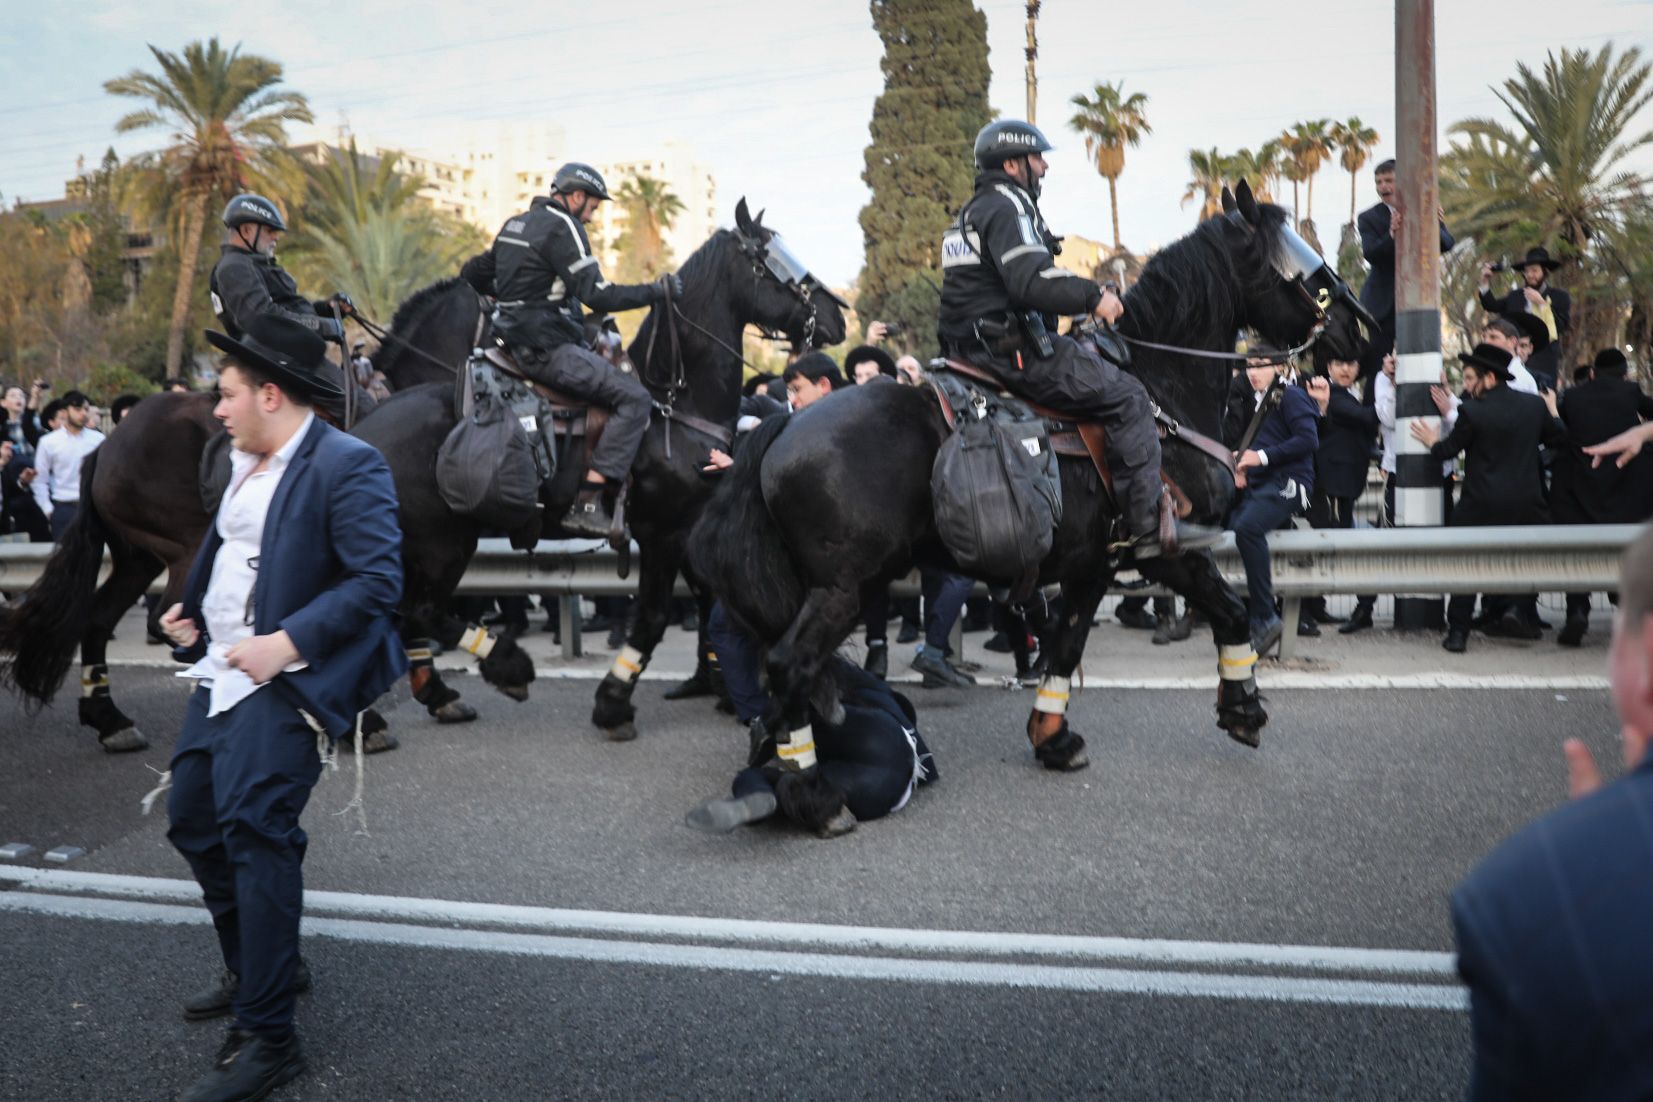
775	95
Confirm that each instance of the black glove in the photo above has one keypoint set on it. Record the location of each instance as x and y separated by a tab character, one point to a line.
331	330
670	283
342	300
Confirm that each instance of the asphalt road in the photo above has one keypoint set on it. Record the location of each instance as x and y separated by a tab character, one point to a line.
1345	832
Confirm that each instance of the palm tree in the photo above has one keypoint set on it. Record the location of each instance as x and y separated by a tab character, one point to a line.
1355	141
650	211
1307	144
1259	169
228	121
363	229
1110	120
1207	169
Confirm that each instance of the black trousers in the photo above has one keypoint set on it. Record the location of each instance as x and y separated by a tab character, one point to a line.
583	373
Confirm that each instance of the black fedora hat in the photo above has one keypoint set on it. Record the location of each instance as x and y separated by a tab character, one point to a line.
1488	357
1532	327
291	355
867	353
1611	359
1541	256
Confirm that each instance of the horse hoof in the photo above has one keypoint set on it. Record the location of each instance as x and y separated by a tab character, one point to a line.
377	742
124	741
518	693
1246	736
624	732
454	711
842	822
1065	753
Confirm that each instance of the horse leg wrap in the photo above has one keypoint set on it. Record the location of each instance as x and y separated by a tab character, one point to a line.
1237	662
628	664
94	681
797	752
478	640
1239	705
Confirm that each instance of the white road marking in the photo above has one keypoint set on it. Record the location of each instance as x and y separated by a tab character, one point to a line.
1289	989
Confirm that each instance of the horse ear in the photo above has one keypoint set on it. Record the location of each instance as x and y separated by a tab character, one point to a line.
1228	200
758	221
743	217
1247	203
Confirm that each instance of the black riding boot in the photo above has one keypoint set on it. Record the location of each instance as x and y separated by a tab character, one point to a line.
589	515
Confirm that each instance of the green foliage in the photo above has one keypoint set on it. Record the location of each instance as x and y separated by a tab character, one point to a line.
1355	141
109	381
650	208
919	163
103	237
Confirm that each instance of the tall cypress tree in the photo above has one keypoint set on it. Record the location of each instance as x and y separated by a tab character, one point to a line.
919	163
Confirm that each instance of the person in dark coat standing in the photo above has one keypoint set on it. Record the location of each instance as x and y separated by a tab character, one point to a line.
288	618
1552	926
1594	411
1499	432
1377	225
1340	466
1534	295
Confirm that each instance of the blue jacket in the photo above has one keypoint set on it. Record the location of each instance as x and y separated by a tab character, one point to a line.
1289	437
1553	940
329	574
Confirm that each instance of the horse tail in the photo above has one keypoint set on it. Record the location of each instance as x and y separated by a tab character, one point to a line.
40	632
737	548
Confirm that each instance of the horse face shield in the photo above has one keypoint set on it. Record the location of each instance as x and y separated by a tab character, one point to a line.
1298	260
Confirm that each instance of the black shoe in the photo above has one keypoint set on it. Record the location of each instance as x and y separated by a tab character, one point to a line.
248	1068
1572	632
1324	615
699	684
1360	621
1510	627
908	632
939	673
878	660
217	1001
1456	641
588	519
1171	629
1307	627
997	643
1135	616
1268	639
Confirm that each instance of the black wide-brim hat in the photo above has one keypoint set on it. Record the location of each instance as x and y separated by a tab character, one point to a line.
1532	327
1488	357
1540	256
291	355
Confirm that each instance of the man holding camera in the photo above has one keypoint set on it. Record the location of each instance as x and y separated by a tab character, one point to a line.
1001	293
1534	296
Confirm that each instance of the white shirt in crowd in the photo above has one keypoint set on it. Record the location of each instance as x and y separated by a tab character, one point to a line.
57	465
1521	379
227	605
1383	397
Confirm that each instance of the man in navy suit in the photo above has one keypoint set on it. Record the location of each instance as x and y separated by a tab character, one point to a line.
1378	225
1552	928
287	615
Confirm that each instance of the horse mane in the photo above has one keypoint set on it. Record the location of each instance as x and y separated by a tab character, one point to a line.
703	262
1194	287
415	304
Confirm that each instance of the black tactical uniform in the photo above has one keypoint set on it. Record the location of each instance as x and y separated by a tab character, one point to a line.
998	263
541	270
247	285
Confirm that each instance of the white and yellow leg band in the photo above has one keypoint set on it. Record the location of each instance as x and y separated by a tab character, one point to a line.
94	681
628	664
1236	661
1052	695
478	641
798	751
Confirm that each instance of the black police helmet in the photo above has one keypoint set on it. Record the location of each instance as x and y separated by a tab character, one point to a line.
1003	139
253	208
574	176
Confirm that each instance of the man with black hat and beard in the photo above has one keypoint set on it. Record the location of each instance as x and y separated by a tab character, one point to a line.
1499	431
287	617
1534	295
1601	407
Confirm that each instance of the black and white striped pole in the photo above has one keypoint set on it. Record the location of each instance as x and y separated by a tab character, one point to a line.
1419	500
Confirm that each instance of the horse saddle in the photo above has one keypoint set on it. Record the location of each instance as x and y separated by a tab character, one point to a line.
571	417
1069	437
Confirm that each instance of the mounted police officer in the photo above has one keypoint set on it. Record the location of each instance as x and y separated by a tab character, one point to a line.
1001	295
541	270
247	282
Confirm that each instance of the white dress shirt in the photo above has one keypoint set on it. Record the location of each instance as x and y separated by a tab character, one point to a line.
227	606
57	465
1521	379
1383	398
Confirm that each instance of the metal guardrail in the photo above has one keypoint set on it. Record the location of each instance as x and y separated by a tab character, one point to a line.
1307	563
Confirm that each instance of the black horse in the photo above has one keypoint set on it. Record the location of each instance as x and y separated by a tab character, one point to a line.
689	359
144	500
837	496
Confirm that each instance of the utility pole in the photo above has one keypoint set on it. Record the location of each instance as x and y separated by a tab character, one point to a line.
1032	56
1419	498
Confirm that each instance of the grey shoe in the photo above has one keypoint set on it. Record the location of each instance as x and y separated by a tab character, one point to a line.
939	673
722	816
217	1001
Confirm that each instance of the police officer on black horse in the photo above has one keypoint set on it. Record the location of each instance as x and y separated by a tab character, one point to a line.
541	270
1001	295
247	282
